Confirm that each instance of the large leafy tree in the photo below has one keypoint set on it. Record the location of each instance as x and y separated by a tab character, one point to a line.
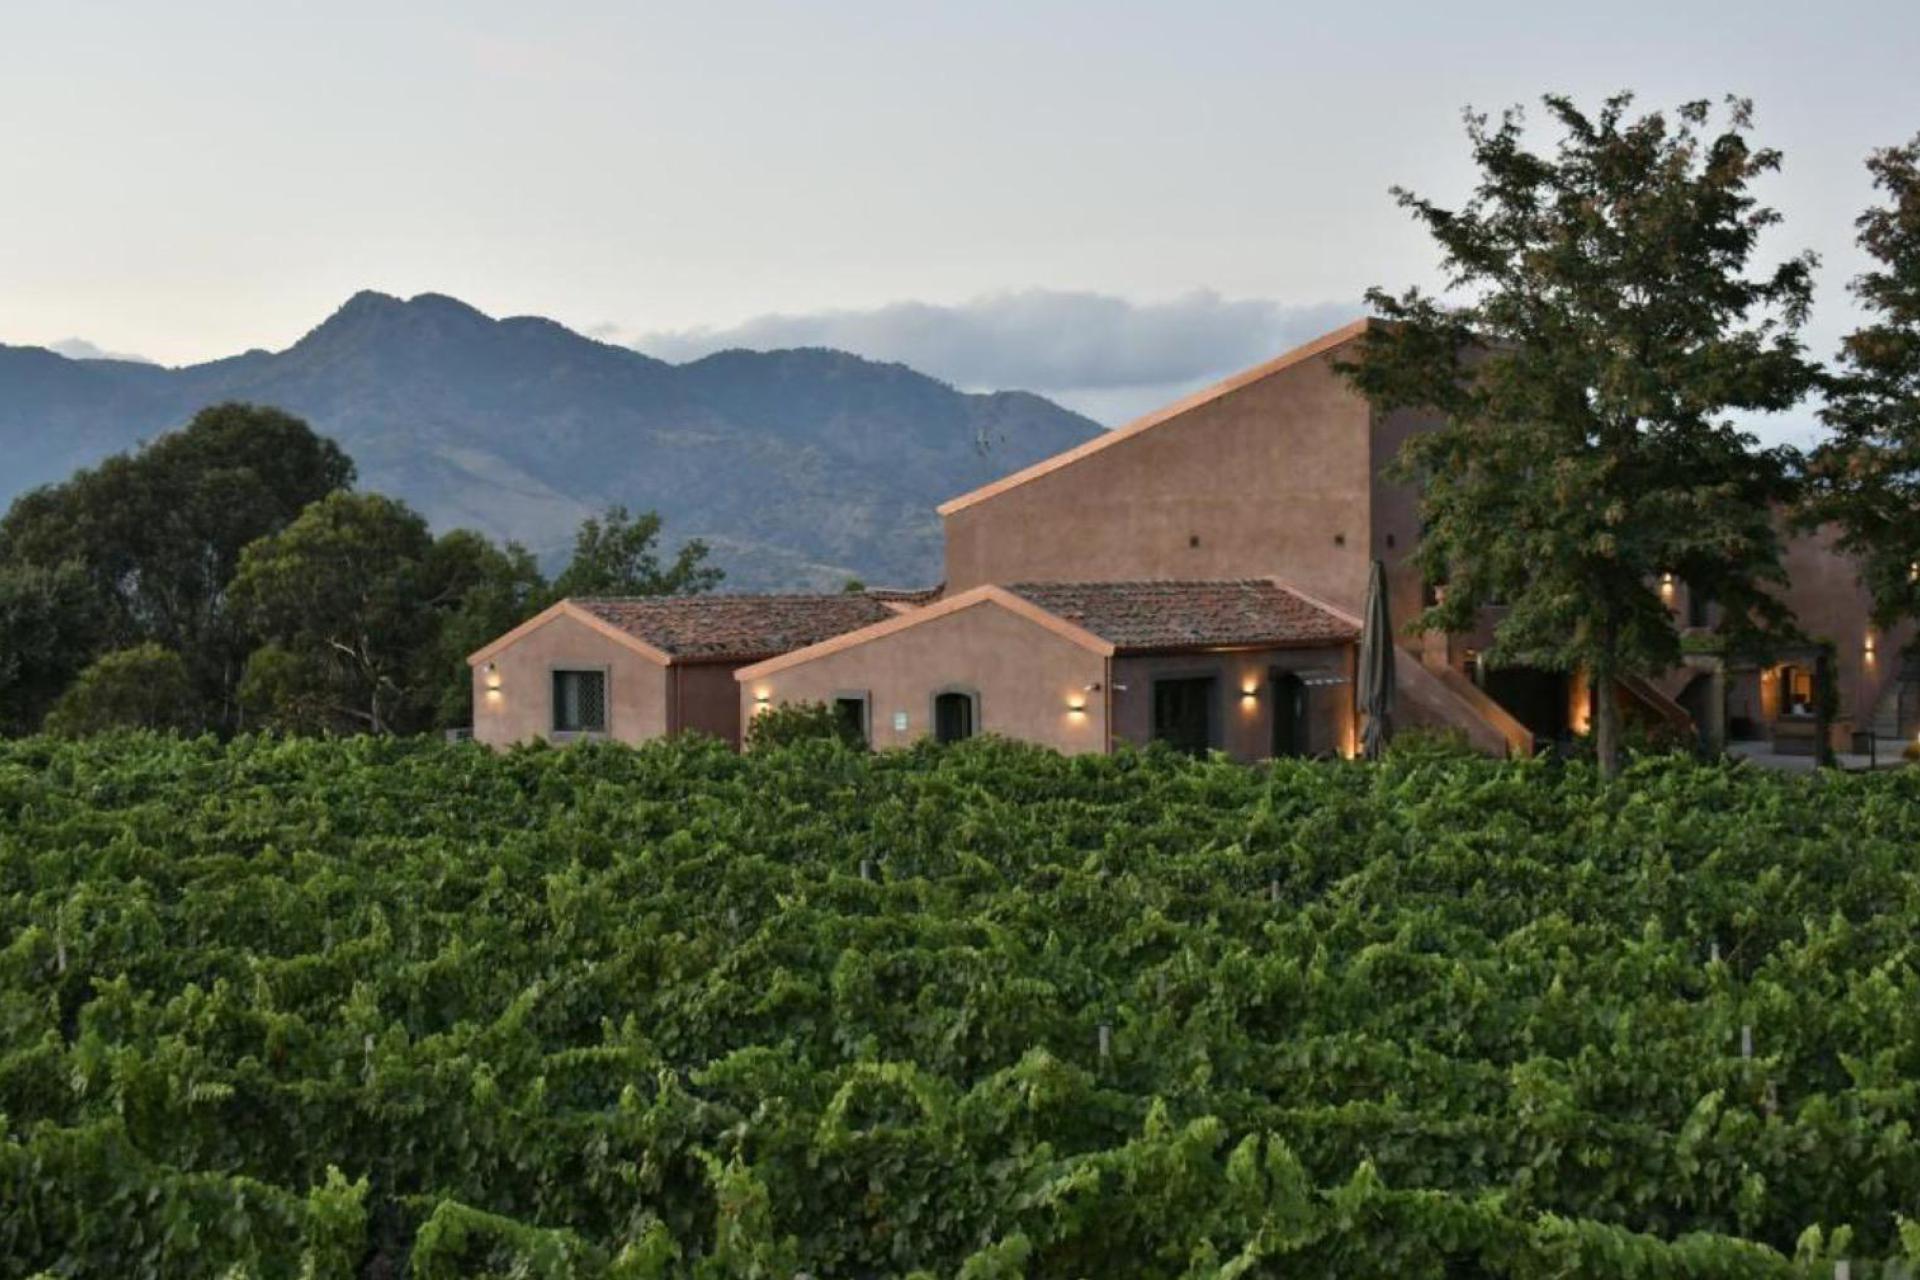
145	687
1866	477
617	554
158	533
1603	323
50	623
342	597
367	616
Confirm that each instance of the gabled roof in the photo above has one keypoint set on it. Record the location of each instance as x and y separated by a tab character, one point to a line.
739	628
981	595
1215	614
1246	377
1107	618
718	628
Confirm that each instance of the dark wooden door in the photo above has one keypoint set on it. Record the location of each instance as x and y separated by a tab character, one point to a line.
1289	714
1183	713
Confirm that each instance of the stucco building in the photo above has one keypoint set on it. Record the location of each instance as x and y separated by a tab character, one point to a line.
1193	576
630	670
1250	667
1282	469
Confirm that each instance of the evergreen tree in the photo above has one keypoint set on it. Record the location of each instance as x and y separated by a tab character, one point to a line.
1604	323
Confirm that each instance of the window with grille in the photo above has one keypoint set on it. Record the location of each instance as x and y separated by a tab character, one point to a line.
579	702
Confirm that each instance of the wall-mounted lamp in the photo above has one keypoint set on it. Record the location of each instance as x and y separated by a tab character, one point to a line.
1077	707
1249	692
1869	643
761	698
492	677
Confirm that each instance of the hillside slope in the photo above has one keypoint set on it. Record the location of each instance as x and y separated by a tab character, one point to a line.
800	467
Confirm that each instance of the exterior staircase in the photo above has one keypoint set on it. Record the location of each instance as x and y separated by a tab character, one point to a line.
1658	703
1439	696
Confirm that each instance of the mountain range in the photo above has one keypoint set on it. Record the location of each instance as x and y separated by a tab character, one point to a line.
800	468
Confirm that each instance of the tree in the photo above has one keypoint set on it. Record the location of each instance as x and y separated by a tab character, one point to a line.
158	533
368	618
50	625
1866	478
480	591
1606	323
145	687
345	589
614	555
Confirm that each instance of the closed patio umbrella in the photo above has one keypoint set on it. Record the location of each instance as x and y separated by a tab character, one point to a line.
1376	666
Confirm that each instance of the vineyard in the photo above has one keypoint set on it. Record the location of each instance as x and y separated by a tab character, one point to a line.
387	1008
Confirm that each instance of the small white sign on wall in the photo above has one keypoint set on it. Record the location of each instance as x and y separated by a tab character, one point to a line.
899	722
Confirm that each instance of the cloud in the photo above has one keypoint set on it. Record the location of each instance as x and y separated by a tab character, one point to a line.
1106	355
81	349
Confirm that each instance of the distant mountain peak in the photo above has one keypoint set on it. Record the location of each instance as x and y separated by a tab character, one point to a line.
800	467
371	317
81	349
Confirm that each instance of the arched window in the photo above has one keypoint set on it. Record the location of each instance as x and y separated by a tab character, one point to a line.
956	715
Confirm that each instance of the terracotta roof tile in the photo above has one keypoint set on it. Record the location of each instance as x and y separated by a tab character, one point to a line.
1191	615
737	628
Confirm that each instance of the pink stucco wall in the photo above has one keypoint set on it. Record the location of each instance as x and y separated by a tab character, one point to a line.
1270	480
520	708
1027	678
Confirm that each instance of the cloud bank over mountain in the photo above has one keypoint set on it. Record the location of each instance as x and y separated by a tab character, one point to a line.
1106	356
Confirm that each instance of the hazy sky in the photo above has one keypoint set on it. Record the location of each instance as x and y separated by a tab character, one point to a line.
1104	201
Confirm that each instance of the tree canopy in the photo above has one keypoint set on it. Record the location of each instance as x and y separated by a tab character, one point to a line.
354	599
1603	323
616	554
158	533
1866	477
233	552
145	687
